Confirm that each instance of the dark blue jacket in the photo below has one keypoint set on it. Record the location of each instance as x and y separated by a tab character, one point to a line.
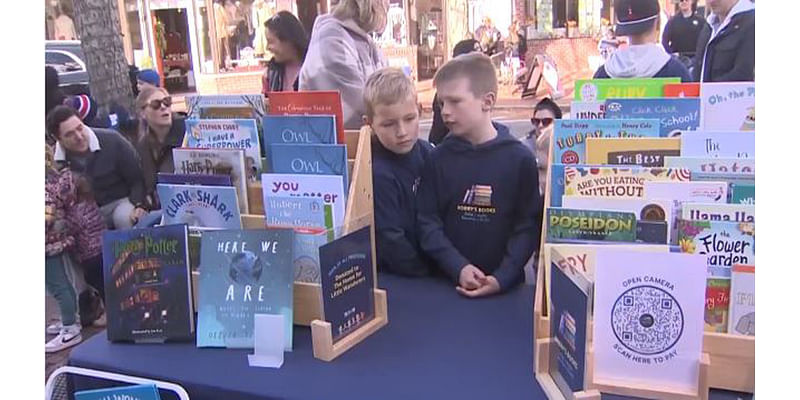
395	179
480	205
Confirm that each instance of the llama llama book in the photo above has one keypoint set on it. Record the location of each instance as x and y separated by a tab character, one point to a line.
569	135
243	273
647	152
729	106
309	103
216	162
742	319
719	212
724	244
147	282
674	115
227	134
200	206
309	159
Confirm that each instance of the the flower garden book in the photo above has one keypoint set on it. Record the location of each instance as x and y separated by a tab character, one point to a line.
674	115
309	159
729	106
601	89
328	188
646	152
719	212
722	243
200	206
309	103
147	282
611	181
713	165
133	392
226	134
243	273
742	318
299	129
217	162
569	135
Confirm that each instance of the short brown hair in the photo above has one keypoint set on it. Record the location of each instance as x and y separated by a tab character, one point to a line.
387	86
476	67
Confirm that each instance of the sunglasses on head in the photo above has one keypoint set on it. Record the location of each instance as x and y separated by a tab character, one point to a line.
544	122
156	104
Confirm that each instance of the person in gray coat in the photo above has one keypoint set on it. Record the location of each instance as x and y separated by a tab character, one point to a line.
342	55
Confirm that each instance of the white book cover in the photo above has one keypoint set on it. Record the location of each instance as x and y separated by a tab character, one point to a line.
648	318
712	165
719	212
698	192
215	162
718	144
645	209
329	188
742	317
728	106
587	110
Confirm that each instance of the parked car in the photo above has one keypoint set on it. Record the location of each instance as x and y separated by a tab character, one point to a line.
66	56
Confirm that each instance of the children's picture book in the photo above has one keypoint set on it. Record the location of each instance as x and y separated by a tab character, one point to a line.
570	308
297	212
309	103
194	179
200	206
699	192
722	243
587	110
729	177
299	129
569	135
227	134
648	319
590	225
682	90
718	292
328	188
601	89
347	280
307	242
148	284
243	273
234	106
616	181
719	212
713	165
742	318
674	115
309	159
216	162
656	212
132	392
718	144
646	152
729	106
742	193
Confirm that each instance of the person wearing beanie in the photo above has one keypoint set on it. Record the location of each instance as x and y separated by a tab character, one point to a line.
644	57
438	128
148	78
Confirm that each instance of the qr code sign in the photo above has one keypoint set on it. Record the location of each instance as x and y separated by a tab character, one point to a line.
647	320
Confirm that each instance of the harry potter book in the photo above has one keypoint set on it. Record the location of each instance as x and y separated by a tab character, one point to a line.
229	162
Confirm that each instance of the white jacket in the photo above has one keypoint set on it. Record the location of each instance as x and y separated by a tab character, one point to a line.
341	56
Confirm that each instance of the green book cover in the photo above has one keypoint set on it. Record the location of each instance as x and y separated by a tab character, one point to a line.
743	194
601	89
590	225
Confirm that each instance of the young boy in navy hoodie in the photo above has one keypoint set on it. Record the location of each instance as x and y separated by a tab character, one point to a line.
478	202
397	159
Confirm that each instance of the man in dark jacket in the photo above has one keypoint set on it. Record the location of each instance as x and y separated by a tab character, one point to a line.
682	31
726	50
106	159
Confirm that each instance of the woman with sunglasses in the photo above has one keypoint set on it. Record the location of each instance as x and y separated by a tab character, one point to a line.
288	42
538	140
159	132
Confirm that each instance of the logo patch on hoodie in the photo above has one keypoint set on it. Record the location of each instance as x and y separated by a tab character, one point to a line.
477	204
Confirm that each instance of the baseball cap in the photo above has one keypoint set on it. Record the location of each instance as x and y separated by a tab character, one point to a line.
635	16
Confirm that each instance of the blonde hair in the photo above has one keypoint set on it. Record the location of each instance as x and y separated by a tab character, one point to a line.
387	86
368	14
476	67
141	103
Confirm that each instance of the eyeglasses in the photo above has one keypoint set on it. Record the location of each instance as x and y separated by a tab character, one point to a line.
544	122
156	104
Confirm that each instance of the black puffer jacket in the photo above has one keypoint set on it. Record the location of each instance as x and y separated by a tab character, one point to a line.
731	56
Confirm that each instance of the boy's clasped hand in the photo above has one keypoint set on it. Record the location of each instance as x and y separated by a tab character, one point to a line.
472	282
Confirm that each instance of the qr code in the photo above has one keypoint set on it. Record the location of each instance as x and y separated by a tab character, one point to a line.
647	320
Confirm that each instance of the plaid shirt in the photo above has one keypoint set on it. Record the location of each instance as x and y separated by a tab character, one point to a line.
74	225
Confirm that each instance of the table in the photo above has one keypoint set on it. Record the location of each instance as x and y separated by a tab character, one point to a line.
437	345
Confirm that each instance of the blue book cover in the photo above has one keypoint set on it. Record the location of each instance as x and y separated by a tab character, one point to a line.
309	159
226	134
134	392
297	212
194	179
299	129
347	281
307	242
243	273
200	206
675	115
570	307
569	135
147	282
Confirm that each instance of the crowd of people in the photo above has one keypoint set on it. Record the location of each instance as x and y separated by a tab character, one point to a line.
468	209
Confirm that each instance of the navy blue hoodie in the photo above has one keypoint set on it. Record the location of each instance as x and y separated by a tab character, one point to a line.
480	205
395	178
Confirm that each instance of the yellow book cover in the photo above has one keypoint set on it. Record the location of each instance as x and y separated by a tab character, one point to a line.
646	152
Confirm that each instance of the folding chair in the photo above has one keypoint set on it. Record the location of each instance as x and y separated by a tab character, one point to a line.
51	381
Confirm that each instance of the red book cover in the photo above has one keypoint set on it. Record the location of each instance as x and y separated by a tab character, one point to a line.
682	90
310	103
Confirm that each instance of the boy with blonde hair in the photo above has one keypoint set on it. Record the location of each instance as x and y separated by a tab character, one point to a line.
397	159
478	203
